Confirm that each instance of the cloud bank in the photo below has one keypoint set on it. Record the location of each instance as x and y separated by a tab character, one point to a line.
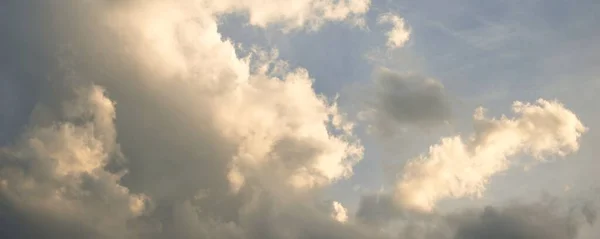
544	219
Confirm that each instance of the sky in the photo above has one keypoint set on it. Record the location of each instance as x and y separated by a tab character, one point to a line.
314	119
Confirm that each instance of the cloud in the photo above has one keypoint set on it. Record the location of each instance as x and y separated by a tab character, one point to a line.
149	124
457	168
398	100
340	213
520	220
378	210
295	14
166	131
548	217
399	35
58	169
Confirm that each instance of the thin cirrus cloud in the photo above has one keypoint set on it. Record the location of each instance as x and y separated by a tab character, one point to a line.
150	124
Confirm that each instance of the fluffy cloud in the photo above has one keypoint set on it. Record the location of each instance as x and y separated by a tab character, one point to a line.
396	100
150	125
458	168
59	168
186	138
399	34
340	213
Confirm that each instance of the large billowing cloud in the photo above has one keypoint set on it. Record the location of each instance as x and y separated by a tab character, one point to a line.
458	167
150	125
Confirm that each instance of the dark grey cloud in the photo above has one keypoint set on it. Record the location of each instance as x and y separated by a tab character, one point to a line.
549	217
400	100
378	209
519	221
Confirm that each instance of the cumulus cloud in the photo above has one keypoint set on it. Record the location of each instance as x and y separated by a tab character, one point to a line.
458	167
149	124
399	34
58	169
166	131
340	213
398	100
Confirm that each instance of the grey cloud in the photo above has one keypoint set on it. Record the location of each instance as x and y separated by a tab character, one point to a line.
519	221
396	100
377	210
549	217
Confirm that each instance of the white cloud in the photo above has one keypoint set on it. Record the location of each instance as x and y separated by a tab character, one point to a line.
294	14
59	168
191	115
457	168
340	213
399	34
268	111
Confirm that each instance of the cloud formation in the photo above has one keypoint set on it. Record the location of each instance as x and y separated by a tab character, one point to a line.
296	14
340	213
166	131
398	100
58	169
399	34
547	217
459	167
149	124
544	219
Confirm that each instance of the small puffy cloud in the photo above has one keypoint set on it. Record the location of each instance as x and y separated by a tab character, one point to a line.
397	100
399	34
340	213
458	167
